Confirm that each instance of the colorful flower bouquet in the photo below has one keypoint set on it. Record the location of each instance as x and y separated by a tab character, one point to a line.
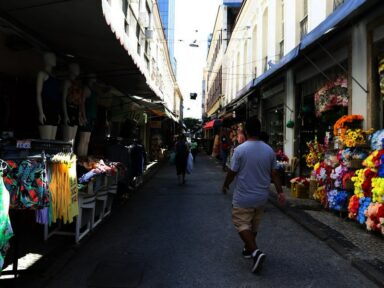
315	154
363	182
355	137
375	217
341	126
337	200
363	205
321	196
378	190
347	155
322	173
353	207
377	139
333	93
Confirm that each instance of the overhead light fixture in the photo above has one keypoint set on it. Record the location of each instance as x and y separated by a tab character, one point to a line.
69	55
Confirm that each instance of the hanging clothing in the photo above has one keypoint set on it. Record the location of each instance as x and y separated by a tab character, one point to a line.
64	188
5	224
27	184
51	96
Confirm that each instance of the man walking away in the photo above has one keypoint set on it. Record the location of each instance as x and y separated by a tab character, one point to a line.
253	164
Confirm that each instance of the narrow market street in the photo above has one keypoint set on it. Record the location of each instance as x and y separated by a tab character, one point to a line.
182	236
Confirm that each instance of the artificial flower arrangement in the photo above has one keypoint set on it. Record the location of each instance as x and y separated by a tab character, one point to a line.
337	175
375	217
353	207
347	183
322	173
378	190
377	140
363	182
355	137
315	154
346	155
300	180
341	127
321	195
363	206
282	160
374	159
280	156
337	200
334	93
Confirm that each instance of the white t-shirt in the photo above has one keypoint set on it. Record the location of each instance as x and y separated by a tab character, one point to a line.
253	161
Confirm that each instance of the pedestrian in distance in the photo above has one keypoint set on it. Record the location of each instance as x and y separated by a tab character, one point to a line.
253	164
181	158
224	150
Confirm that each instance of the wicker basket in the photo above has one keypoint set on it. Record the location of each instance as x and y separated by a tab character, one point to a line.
356	163
299	190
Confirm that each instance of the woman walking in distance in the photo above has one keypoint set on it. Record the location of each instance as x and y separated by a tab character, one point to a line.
181	158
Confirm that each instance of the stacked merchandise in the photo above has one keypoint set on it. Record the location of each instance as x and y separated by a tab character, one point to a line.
367	204
350	173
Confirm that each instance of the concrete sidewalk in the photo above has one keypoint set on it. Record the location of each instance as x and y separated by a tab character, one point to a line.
363	249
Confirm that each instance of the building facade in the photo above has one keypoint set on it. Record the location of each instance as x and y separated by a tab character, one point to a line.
281	53
167	13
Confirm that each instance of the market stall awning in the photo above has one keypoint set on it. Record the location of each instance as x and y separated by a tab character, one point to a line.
79	28
212	124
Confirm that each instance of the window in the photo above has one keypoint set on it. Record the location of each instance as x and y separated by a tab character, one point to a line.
304	21
265	63
337	3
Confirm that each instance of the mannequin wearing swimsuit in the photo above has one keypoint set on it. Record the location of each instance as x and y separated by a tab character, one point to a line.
48	96
73	98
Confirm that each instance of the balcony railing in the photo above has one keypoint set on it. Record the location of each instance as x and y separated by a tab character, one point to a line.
303	27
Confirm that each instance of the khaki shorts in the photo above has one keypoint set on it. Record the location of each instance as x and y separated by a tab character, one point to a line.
247	218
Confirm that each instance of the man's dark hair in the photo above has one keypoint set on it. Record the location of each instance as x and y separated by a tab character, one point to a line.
253	127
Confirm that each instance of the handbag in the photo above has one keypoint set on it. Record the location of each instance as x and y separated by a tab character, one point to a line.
189	163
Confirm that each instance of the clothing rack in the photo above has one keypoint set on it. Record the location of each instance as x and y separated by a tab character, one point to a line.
17	218
43	146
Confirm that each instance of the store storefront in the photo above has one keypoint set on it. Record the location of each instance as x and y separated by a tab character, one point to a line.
322	95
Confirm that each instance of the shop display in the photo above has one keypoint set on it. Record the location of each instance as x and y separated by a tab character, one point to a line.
333	93
49	95
64	189
6	232
351	178
73	100
26	182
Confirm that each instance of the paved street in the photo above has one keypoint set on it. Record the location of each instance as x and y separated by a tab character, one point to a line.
182	236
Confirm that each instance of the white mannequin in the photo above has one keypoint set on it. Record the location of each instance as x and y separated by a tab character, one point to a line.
69	132
46	130
85	136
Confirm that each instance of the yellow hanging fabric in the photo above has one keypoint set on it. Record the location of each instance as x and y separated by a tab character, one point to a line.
63	187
